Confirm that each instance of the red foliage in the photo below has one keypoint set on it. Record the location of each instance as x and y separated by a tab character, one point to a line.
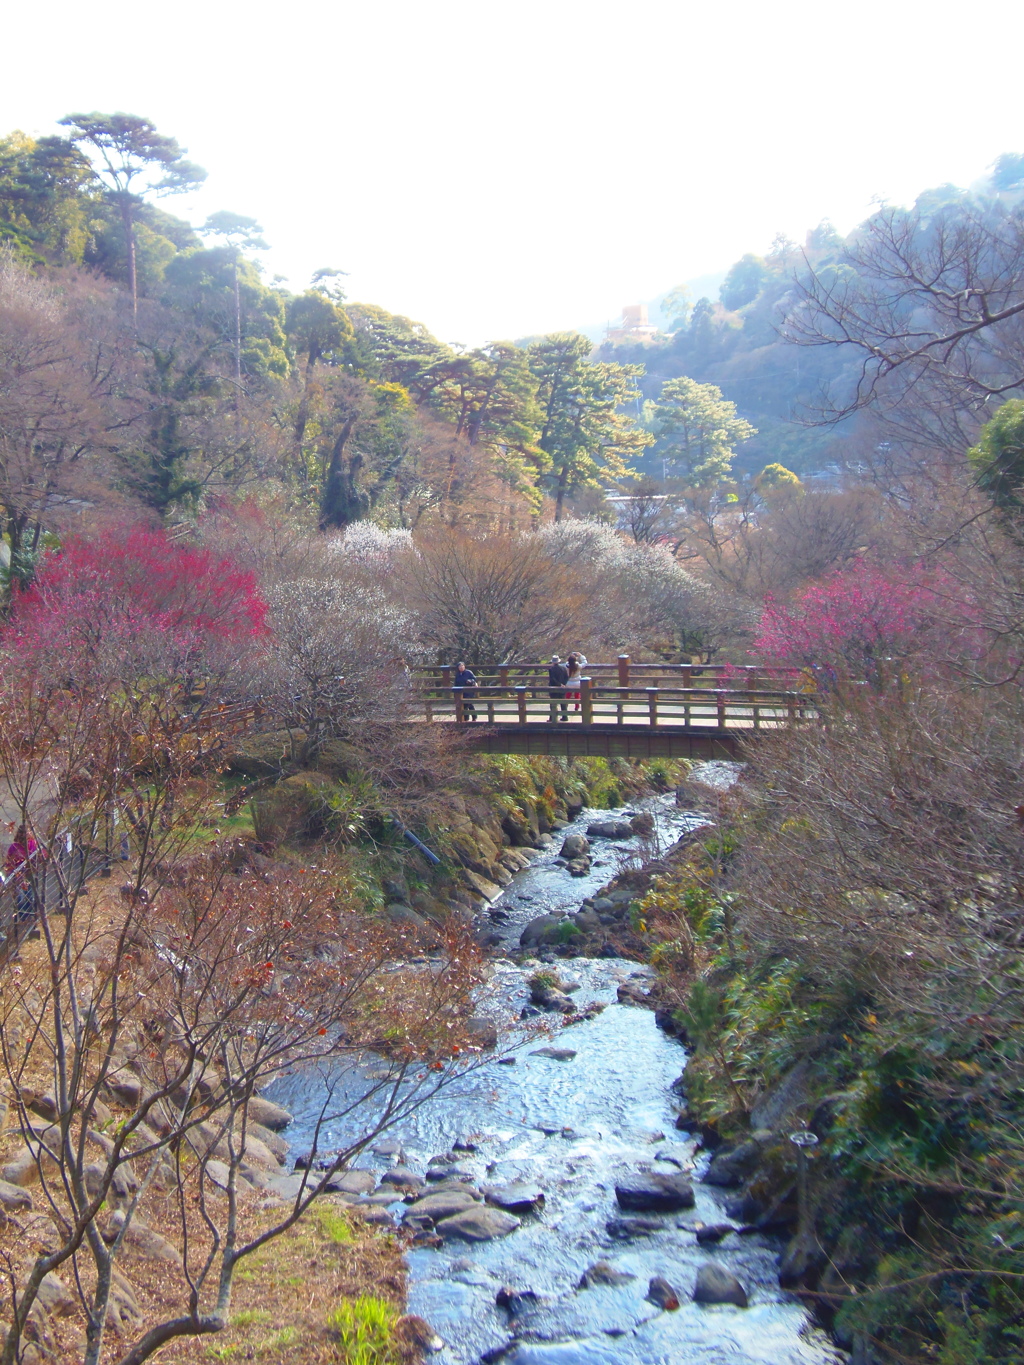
135	591
864	614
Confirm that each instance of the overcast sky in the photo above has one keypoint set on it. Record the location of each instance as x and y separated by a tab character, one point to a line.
500	169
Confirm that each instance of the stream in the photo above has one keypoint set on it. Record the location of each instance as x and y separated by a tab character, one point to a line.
572	1127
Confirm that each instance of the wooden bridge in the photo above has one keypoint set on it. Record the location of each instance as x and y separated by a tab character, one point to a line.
624	709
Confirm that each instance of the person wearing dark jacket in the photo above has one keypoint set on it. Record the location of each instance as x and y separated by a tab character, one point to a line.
465	685
558	676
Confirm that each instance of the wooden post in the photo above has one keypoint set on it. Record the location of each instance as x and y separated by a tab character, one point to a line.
586	702
446	676
721	710
521	701
791	705
687	675
652	705
620	706
490	710
428	709
623	670
503	675
755	709
459	714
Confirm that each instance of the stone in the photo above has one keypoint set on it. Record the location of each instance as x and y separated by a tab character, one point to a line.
390	1147
269	1114
418	1333
660	1292
601	1273
451	1171
506	1061
557	1054
404	916
218	1173
540	930
578	867
274	1144
625	1229
13	1198
483	886
123	1183
515	1301
478	1224
518	1197
437	1206
574	846
801	1262
609	829
402	1179
588	922
395	888
713	1232
141	1237
354	1182
123	1312
643	823
630	993
715	1284
54	1297
23	1168
729	1169
551	998
125	1086
653	1192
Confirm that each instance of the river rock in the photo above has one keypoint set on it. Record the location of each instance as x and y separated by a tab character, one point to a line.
601	1273
483	886
405	917
123	1312
625	1229
450	1171
588	922
401	1178
13	1198
478	1224
437	1206
418	1332
642	823
269	1114
557	1054
54	1297
578	867
632	993
609	829
653	1192
713	1232
575	846
660	1292
543	929
715	1284
551	998
353	1182
390	1147
731	1168
518	1197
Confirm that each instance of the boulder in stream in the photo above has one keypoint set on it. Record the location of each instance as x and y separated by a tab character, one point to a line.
660	1292
715	1284
478	1224
435	1207
575	846
601	1273
610	829
653	1192
518	1197
625	1229
557	1054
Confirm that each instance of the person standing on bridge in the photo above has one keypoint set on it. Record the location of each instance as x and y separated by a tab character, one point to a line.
18	871
572	690
465	685
558	676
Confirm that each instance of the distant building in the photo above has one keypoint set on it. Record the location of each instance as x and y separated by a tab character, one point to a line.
633	325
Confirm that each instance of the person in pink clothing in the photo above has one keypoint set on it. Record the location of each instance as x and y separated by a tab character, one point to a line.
22	849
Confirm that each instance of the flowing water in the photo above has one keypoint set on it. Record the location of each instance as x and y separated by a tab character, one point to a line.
572	1127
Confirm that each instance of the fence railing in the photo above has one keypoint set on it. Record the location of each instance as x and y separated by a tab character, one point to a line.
624	672
593	704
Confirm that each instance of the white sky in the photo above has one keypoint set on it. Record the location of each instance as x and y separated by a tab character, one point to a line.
500	169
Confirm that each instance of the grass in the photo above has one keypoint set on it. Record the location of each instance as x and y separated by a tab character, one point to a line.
334	1225
365	1329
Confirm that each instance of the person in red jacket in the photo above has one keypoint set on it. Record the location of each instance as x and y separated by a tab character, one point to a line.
20	852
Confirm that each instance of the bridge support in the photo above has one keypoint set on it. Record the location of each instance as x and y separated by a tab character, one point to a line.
622	742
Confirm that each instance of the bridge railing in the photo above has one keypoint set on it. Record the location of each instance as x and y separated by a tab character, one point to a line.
624	672
667	707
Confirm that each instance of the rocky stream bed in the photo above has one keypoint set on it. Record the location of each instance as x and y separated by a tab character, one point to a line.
558	1216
